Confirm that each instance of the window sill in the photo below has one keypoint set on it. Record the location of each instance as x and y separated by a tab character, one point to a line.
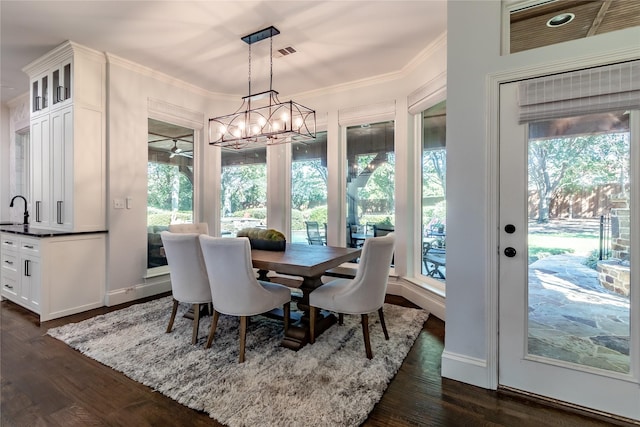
156	272
436	288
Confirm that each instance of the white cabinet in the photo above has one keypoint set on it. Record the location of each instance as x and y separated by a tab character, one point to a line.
40	93
9	276
39	158
20	274
62	167
54	276
51	88
61	84
68	185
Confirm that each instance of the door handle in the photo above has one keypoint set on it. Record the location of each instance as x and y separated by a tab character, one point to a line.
510	252
59	212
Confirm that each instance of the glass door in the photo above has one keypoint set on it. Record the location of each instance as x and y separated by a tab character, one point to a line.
568	243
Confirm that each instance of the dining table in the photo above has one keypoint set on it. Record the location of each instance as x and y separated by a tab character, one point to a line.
309	262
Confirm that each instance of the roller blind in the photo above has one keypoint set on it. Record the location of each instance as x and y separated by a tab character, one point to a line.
593	90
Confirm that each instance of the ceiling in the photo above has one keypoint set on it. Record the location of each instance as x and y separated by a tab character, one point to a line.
199	41
529	28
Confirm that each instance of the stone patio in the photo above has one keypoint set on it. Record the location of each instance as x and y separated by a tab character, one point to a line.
573	318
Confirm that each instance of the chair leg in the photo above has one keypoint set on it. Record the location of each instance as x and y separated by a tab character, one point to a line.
365	333
243	336
312	324
174	310
340	319
384	325
214	324
287	313
196	323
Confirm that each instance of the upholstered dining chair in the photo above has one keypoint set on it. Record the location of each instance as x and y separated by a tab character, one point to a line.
362	295
189	282
234	287
198	227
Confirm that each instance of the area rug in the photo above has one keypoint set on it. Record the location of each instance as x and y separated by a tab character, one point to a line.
329	383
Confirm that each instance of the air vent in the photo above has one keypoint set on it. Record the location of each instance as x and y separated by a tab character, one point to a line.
285	51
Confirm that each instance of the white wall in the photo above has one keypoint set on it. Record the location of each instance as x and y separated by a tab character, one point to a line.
130	90
473	57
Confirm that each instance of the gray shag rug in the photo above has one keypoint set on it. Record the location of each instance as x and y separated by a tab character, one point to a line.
329	383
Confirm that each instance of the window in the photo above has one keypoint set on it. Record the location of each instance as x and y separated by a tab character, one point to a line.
370	180
243	196
434	201
170	183
309	188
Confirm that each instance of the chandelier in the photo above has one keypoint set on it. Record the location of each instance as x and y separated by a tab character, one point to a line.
262	119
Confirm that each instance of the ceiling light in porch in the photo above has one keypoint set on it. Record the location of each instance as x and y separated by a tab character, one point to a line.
560	20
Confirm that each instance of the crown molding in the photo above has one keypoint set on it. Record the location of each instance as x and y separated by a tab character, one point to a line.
367	114
439	43
165	78
163	110
60	53
432	92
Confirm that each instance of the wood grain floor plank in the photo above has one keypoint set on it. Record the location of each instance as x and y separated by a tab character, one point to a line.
46	383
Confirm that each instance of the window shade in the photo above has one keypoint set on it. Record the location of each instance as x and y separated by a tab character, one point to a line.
594	90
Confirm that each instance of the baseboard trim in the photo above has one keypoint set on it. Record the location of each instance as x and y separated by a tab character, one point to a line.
153	286
466	369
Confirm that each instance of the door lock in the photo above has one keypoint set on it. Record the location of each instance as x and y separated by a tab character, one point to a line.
510	252
510	228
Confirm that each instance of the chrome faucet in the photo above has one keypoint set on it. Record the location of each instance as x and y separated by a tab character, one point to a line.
26	212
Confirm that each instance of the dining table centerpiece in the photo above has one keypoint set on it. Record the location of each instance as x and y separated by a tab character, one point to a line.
266	239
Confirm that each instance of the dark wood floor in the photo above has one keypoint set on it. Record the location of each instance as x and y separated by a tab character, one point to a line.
46	383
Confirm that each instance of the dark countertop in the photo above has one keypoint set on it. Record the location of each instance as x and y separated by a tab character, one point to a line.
40	232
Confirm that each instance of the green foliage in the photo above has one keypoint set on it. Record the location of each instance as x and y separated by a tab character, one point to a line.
318	214
257	213
381	184
168	187
382	220
261	234
243	188
539	252
576	163
157	217
592	259
434	173
297	220
308	184
437	212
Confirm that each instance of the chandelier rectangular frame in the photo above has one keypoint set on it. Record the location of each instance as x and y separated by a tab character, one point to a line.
262	119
